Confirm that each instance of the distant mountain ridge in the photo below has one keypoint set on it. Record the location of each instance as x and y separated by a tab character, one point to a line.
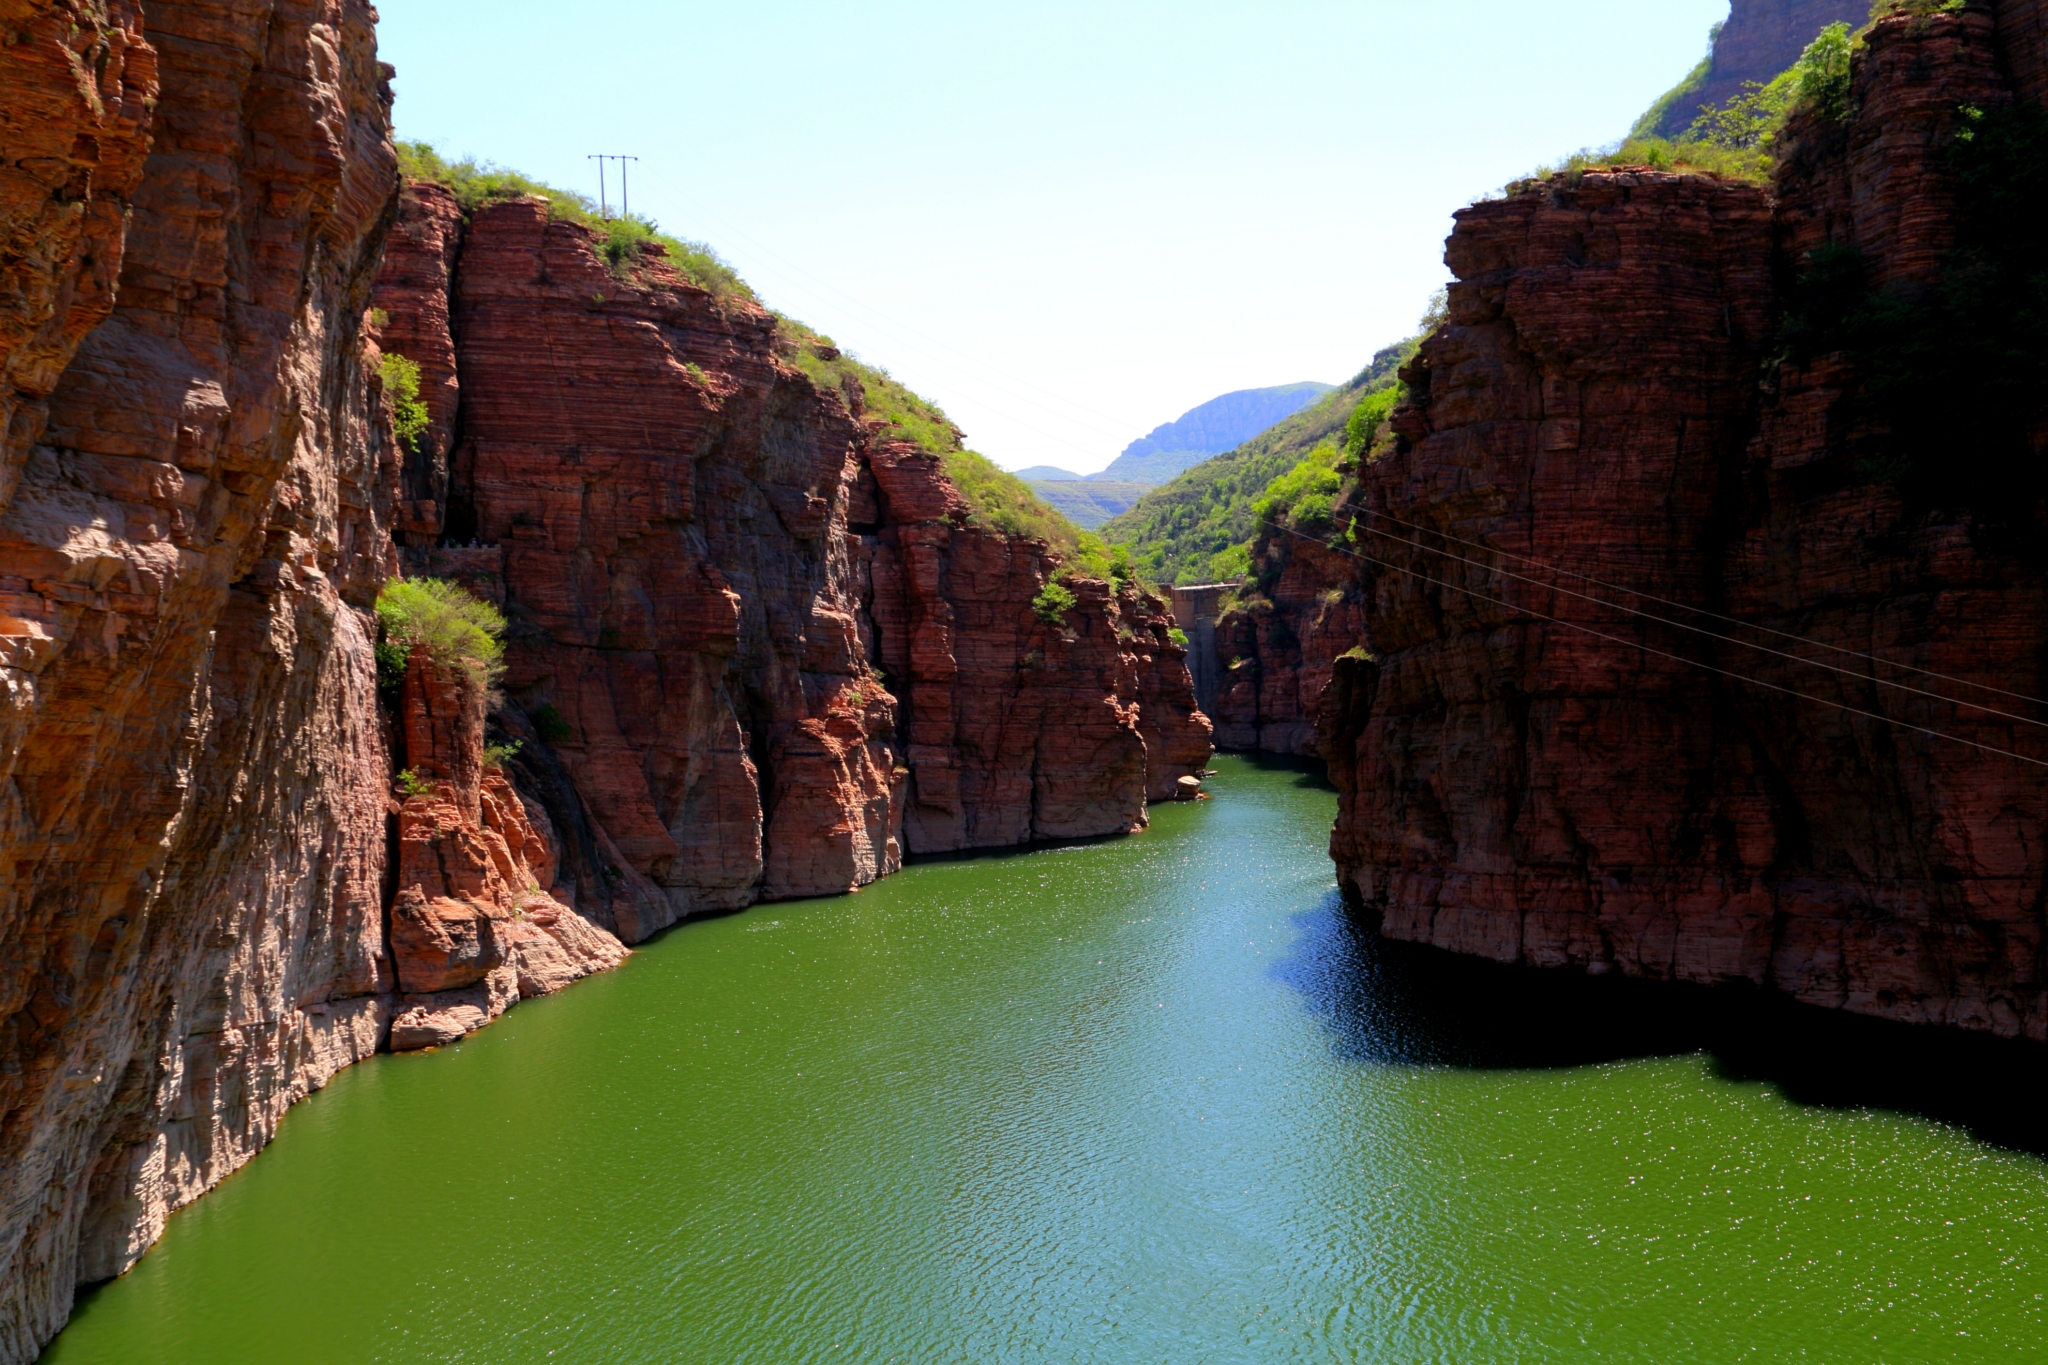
1216	426
1198	528
1088	503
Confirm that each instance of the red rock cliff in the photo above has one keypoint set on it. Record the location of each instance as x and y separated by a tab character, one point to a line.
758	650
191	529
1647	802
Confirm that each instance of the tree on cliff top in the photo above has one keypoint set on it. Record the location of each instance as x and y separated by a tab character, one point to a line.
458	630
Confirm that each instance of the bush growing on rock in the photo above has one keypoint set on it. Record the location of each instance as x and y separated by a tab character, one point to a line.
1052	605
401	377
458	630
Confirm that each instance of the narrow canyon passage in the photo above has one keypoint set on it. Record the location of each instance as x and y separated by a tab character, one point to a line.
1152	1099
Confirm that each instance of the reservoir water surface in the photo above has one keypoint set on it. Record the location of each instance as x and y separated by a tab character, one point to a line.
1151	1100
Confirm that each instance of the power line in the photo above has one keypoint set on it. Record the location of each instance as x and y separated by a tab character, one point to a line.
603	205
1702	611
1676	658
1711	634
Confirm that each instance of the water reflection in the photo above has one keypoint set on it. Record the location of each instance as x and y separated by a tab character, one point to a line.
1397	1004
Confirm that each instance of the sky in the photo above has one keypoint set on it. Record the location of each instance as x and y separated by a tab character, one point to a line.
1065	223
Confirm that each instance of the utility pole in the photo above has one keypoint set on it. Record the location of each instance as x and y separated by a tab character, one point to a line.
626	202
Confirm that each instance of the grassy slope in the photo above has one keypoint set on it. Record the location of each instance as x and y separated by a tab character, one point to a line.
475	185
1199	528
995	498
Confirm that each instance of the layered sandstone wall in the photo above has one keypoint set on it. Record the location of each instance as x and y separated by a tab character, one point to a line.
191	529
1650	799
760	650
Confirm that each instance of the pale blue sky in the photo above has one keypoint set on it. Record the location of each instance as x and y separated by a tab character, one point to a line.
1066	223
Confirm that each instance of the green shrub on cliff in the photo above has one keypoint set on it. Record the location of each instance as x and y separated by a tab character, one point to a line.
999	499
458	630
869	390
1823	72
1303	498
401	377
1738	138
622	243
1053	603
1368	417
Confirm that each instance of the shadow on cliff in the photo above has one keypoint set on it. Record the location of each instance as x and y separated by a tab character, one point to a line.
1399	1004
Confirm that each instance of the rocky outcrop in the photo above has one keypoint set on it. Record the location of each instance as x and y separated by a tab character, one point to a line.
190	530
473	926
1760	39
1532	769
1278	644
762	650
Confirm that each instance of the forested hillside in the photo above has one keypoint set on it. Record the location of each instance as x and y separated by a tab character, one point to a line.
1199	528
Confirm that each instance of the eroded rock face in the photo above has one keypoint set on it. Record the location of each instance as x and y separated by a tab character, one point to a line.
193	818
1641	799
773	653
473	926
75	120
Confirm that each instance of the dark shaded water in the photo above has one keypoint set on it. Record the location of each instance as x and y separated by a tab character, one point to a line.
1153	1100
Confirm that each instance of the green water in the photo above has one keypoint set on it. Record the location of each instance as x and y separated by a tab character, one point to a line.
1154	1100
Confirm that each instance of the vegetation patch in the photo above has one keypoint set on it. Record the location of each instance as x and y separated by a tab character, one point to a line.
1053	603
1737	140
995	498
401	378
458	630
1200	527
620	241
1305	497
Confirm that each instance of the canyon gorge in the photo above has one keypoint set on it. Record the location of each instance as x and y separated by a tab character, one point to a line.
756	646
1648	638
